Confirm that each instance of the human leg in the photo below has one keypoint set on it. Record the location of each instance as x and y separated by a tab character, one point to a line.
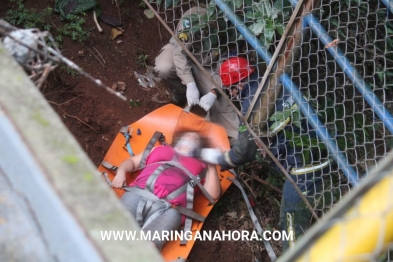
169	220
293	207
130	201
164	65
166	70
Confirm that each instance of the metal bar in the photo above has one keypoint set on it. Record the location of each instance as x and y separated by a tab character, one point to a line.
306	109
261	50
275	56
389	4
364	89
321	131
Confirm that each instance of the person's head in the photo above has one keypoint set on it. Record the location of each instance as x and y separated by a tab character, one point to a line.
188	143
234	70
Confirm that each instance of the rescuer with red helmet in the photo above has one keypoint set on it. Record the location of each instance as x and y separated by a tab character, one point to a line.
241	80
305	166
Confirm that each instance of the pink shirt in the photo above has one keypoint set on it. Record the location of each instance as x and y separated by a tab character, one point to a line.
172	178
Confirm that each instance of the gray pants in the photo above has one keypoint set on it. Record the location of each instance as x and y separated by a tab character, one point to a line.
221	112
168	221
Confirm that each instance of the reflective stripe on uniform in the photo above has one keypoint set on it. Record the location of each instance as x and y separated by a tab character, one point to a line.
291	229
308	169
280	127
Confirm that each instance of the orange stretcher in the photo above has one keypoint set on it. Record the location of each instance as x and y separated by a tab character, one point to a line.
167	119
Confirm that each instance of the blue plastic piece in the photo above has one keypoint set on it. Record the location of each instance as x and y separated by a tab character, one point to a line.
364	89
389	5
129	149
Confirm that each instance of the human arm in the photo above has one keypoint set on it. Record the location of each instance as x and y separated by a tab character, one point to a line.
184	71
212	182
243	151
125	167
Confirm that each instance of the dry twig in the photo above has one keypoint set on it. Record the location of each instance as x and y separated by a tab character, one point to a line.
333	43
159	31
256	178
74	117
44	54
93	54
99	55
242	175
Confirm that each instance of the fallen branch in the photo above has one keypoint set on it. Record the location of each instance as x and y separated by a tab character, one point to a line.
93	54
245	182
45	73
256	178
96	22
65	101
159	31
99	55
51	54
74	117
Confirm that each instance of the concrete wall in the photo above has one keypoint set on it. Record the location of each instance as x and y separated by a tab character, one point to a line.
53	202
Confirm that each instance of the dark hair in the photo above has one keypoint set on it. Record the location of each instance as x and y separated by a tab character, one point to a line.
204	141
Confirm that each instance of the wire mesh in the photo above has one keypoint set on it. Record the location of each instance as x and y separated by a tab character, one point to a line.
359	228
361	30
340	58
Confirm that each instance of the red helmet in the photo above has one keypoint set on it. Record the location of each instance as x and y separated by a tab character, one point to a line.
234	69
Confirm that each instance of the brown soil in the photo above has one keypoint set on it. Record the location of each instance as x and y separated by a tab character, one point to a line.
94	116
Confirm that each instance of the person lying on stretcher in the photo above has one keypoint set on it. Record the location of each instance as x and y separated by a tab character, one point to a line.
166	184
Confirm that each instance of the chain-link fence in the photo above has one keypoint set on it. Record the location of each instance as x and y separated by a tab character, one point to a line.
360	227
323	102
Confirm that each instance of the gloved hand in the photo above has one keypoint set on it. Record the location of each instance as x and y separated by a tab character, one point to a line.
207	101
217	157
192	94
210	155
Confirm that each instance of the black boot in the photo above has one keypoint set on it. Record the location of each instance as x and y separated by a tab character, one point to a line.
177	91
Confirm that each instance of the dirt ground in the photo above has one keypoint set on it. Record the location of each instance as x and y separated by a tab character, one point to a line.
95	116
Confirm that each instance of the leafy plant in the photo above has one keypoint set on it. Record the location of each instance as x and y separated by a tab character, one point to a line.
304	141
265	19
262	18
73	29
68	8
142	58
142	4
134	103
28	18
69	70
281	116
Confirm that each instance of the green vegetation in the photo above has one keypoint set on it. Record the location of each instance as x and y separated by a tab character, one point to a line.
28	18
142	58
81	6
263	18
73	29
134	103
70	71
